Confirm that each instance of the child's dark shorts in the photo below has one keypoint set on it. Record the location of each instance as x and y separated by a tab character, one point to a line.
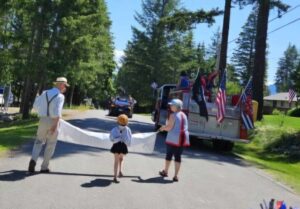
119	147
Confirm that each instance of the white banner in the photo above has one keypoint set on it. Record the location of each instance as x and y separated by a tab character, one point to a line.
141	142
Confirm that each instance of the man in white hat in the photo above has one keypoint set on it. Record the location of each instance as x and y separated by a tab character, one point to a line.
49	106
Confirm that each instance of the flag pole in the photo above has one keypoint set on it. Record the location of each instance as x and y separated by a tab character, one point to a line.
243	92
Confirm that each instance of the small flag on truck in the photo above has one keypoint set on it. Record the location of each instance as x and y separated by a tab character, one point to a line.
221	99
247	109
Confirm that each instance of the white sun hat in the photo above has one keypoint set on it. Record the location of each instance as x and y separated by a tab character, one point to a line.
62	80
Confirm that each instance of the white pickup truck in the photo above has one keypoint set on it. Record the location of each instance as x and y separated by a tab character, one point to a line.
222	135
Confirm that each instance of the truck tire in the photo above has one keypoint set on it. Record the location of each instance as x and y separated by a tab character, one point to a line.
196	141
218	145
129	114
221	145
228	146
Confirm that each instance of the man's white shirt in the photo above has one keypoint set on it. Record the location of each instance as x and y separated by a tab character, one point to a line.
55	107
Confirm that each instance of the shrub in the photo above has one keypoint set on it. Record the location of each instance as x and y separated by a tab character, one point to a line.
295	112
276	112
287	144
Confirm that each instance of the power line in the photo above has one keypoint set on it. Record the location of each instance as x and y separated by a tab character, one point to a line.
283	26
279	16
295	7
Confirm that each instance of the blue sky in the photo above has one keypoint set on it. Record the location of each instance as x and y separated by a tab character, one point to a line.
122	16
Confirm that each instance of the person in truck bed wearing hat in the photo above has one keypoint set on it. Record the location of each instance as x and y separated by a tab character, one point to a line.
49	107
177	138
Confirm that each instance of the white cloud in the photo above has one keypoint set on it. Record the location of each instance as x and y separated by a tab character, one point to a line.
118	55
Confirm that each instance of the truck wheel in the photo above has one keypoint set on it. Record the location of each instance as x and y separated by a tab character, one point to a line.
196	141
225	146
228	146
218	145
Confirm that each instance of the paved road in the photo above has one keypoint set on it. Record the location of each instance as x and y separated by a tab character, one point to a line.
81	177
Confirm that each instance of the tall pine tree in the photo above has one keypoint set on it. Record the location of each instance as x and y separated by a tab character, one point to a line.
259	71
243	55
155	54
47	39
287	67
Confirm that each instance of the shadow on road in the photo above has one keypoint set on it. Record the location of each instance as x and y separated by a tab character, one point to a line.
153	180
14	175
17	175
97	183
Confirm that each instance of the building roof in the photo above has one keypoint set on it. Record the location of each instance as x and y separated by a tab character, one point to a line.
283	96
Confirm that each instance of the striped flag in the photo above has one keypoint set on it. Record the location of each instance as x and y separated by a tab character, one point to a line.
221	99
247	121
247	110
292	94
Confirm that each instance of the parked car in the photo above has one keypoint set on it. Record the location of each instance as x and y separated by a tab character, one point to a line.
121	106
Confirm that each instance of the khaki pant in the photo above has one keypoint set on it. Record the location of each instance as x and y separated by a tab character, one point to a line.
44	137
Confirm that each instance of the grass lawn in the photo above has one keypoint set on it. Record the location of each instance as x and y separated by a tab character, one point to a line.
275	148
78	107
14	134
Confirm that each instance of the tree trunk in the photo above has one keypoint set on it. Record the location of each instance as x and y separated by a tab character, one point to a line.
26	98
225	31
260	55
35	62
71	96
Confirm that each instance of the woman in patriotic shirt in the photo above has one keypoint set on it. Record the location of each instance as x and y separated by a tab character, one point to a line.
177	138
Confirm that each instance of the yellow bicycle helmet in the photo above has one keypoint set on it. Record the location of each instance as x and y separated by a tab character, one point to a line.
122	120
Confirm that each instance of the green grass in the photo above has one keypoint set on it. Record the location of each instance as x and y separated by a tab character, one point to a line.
76	107
14	134
275	148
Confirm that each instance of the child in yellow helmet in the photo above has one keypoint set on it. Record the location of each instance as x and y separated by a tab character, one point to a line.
121	137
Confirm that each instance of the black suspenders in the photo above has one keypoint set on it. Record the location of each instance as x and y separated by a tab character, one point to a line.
49	101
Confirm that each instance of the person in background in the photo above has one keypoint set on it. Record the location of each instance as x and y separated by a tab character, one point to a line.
177	137
184	82
121	137
49	106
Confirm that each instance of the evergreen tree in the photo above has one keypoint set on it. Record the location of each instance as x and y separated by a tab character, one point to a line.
259	71
296	80
47	39
155	54
214	47
243	55
287	66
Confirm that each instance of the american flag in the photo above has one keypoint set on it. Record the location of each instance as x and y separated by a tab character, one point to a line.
247	112
221	99
292	94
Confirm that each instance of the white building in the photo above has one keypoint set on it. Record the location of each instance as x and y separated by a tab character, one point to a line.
278	101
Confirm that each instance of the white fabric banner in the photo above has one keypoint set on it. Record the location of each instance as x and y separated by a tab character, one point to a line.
141	142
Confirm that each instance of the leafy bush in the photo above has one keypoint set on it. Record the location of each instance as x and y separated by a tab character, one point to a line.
287	144
276	112
232	88
295	112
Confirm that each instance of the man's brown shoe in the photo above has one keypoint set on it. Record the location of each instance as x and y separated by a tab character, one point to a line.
31	166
